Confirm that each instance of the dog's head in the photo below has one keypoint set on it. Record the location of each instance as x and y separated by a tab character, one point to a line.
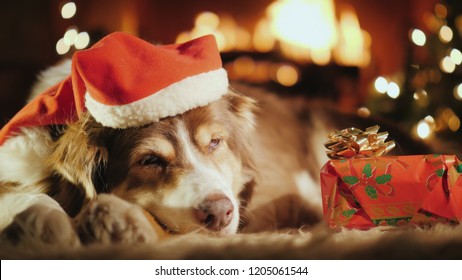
189	171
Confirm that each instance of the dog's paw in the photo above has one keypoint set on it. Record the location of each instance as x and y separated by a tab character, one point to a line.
39	227
109	219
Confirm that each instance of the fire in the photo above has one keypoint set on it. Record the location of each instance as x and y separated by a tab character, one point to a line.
308	26
302	30
305	23
228	34
308	30
354	43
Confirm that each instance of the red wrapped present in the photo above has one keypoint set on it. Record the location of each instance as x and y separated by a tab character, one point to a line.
363	192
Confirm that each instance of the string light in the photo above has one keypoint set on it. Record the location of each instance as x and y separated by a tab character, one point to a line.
421	97
61	47
443	118
68	10
82	40
393	90
418	37
72	37
447	65
423	129
381	84
458	92
445	34
69	36
456	56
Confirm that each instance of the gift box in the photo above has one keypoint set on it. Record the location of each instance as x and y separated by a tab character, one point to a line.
364	189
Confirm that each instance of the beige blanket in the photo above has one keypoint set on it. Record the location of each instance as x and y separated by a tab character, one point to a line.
440	242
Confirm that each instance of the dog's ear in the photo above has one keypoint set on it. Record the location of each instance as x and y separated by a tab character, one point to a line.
244	108
80	156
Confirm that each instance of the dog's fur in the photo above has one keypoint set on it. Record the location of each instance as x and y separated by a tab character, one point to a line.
256	155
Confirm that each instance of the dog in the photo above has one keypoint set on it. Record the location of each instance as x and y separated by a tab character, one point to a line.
243	163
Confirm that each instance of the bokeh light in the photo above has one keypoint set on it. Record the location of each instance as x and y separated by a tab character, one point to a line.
445	34
381	85
418	37
287	75
456	56
447	65
82	40
458	92
68	10
393	90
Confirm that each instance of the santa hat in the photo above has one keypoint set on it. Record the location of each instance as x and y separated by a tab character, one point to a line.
123	81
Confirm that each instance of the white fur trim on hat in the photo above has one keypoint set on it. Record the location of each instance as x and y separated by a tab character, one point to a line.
189	93
22	157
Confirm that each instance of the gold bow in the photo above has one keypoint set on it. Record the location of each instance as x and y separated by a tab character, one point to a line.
353	142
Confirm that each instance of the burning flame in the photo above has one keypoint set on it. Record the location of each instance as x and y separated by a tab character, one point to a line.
302	30
228	34
308	25
354	43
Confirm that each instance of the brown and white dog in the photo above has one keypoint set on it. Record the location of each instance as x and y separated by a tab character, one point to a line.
245	163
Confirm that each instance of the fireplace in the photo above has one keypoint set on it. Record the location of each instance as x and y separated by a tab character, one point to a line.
299	47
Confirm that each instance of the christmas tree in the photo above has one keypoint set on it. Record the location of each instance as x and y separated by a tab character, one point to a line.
426	97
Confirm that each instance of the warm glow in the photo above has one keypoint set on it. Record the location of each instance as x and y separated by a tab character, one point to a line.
305	31
454	123
263	41
421	97
381	84
228	34
458	92
393	90
82	40
445	34
447	65
363	112
456	56
287	75
243	66
243	39
61	47
68	10
320	56
306	23
69	36
418	37
423	129
350	50
183	37
458	23
208	19
441	11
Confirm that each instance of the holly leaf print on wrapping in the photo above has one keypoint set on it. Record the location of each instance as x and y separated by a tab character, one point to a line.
375	185
367	170
371	192
459	168
348	213
350	180
382	179
440	172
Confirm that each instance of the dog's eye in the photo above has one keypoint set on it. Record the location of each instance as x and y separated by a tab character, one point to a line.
147	160
214	143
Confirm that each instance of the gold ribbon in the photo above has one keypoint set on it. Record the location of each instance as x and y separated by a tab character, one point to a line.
353	142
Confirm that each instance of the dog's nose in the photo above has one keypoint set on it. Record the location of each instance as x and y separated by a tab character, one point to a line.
215	212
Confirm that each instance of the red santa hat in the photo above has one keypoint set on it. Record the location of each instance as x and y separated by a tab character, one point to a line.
123	81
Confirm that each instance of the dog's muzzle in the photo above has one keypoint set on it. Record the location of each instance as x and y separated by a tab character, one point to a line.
215	212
